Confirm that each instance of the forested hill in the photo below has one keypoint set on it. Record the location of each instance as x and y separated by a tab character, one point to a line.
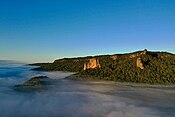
141	66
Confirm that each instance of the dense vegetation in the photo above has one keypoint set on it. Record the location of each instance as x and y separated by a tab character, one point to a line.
159	68
33	82
72	65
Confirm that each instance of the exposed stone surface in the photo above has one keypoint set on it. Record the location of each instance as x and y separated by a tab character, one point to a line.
93	63
114	57
139	63
76	60
144	52
85	66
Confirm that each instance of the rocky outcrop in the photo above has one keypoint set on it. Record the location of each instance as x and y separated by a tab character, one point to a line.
144	52
139	63
93	63
76	60
114	57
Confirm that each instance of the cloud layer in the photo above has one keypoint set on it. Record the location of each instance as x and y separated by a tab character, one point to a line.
64	98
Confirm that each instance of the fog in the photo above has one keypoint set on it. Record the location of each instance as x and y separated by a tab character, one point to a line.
66	98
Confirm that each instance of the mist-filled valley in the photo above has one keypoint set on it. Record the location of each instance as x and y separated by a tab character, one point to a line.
68	98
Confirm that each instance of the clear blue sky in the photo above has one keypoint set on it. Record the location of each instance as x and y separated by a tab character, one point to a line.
43	30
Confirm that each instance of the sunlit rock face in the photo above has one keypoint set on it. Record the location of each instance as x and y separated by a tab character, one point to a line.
144	52
114	57
93	63
139	63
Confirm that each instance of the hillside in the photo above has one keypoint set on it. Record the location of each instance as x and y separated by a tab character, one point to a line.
141	67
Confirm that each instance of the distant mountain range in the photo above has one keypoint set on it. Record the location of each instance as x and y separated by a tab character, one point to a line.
140	66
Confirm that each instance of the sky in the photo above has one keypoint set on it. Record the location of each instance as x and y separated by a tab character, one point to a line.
45	30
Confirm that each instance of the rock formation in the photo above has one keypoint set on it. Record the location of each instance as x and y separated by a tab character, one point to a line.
93	63
114	57
76	60
139	63
144	52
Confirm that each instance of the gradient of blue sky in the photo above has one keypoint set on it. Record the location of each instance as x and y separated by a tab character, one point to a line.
43	30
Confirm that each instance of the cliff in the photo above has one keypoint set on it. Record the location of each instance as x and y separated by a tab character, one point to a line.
141	66
139	63
93	63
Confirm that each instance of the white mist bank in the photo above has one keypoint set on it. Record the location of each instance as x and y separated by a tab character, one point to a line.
57	74
67	98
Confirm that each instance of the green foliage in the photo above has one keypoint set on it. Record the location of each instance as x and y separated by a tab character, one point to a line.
72	65
33	82
159	68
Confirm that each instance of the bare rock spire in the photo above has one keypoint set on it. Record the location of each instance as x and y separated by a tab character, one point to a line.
139	63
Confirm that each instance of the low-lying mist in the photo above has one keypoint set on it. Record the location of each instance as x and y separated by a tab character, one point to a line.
67	98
